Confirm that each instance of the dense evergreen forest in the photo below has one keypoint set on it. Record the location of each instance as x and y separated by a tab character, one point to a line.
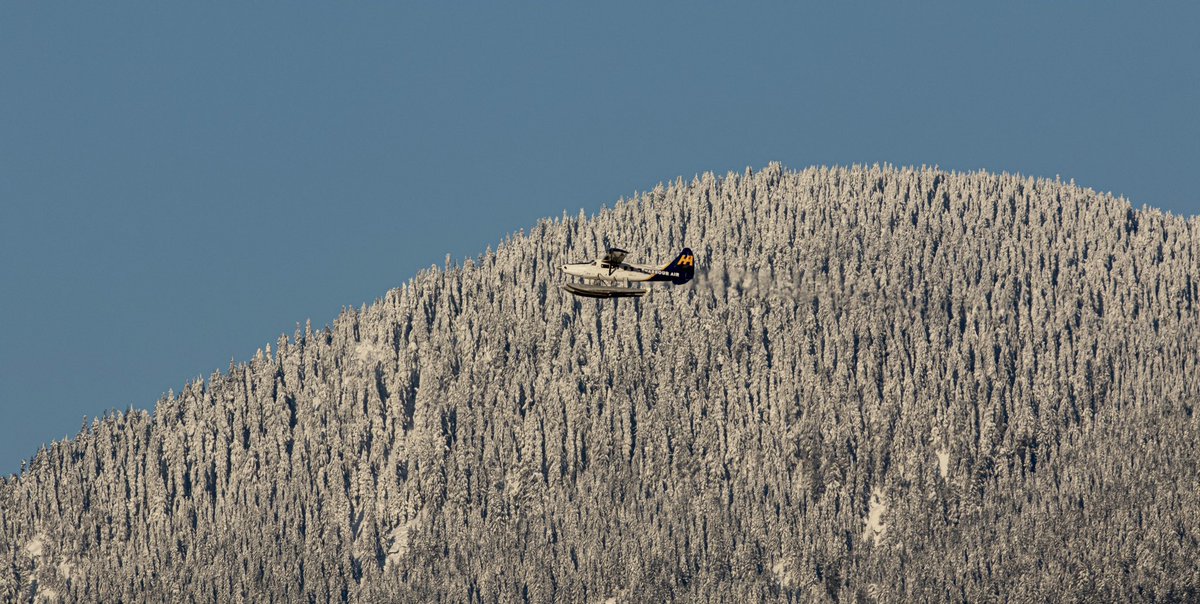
883	385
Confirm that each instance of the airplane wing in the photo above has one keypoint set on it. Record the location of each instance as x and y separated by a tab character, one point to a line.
614	256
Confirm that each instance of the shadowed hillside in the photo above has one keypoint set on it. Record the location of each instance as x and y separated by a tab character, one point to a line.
883	384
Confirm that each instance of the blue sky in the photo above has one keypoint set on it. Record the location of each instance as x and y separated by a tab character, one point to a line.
180	184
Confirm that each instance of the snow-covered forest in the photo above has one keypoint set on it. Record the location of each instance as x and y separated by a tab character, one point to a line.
882	385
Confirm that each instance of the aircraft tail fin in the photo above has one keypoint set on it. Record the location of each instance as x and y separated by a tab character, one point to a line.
684	266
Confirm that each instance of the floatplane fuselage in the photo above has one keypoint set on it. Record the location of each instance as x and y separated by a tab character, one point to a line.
612	268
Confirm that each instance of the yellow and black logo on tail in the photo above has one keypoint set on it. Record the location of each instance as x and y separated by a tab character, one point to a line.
681	269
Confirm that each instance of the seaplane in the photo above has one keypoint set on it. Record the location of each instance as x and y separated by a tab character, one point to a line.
612	268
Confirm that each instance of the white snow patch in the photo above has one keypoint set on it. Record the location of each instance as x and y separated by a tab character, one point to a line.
36	546
783	574
66	569
369	352
876	527
398	542
943	462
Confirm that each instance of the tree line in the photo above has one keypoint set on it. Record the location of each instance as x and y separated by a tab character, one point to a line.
883	384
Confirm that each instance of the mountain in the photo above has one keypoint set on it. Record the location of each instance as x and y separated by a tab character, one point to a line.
883	384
